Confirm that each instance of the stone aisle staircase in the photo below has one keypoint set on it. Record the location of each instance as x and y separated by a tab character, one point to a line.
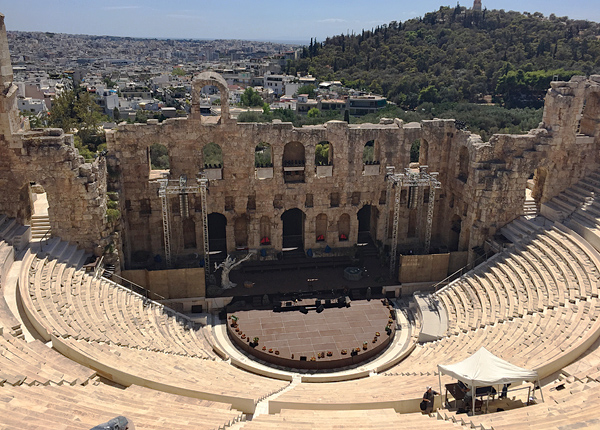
40	227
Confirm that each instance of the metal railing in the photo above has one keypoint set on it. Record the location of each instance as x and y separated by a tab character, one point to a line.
135	287
448	279
44	238
148	301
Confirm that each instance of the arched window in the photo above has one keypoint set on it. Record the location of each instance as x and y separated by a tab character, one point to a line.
212	156
265	230
213	161
263	156
370	158
370	155
293	162
323	154
159	158
344	227
321	228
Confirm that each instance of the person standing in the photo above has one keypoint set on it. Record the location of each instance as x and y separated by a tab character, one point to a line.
427	402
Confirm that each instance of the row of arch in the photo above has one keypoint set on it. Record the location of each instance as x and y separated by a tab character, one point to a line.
293	229
294	154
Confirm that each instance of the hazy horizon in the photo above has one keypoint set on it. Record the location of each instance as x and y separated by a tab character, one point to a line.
262	20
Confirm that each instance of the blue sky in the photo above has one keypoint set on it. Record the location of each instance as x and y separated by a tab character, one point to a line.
233	19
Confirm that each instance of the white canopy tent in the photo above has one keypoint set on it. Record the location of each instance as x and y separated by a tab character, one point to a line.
483	369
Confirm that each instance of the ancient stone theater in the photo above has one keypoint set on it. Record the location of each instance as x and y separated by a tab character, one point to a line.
310	277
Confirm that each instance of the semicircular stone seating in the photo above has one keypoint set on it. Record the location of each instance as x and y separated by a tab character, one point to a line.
535	304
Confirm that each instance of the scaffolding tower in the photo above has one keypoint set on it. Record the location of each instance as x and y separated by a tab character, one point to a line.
181	188
417	181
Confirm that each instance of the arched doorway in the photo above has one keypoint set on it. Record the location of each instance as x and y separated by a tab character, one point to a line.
293	228
217	236
367	224
454	237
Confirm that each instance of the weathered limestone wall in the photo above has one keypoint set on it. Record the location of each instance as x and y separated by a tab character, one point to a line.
185	139
76	190
484	182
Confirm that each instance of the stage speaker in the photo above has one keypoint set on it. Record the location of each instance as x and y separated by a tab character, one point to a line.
317	303
303	310
320	308
302	358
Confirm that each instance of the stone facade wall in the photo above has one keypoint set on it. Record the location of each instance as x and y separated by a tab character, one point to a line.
230	196
483	183
76	190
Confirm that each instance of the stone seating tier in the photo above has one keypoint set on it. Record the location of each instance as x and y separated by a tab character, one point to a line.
77	407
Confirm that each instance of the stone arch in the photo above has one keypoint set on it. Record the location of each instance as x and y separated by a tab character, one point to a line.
202	80
263	155
159	157
370	153
463	164
212	155
293	228
265	230
344	227
323	153
240	231
294	159
321	227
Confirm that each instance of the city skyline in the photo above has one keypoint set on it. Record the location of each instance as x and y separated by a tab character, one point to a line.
265	20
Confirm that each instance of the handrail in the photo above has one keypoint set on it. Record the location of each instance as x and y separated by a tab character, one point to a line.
99	268
44	238
169	311
460	272
134	287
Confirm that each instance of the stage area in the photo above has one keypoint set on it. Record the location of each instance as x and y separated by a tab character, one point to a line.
336	337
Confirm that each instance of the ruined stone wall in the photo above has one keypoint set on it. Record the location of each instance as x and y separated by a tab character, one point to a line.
484	182
76	190
230	196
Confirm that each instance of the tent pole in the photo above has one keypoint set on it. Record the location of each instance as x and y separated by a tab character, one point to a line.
440	379
473	397
541	392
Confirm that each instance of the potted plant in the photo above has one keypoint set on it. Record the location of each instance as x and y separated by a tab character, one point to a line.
254	343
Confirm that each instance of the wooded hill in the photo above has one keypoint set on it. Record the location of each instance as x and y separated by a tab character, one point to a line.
458	55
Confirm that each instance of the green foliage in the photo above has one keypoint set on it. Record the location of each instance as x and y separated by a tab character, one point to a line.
262	155
112	195
456	54
111	204
322	154
251	98
84	151
313	112
518	88
112	215
34	120
178	71
369	152
159	157
266	109
307	89
414	151
212	155
78	111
